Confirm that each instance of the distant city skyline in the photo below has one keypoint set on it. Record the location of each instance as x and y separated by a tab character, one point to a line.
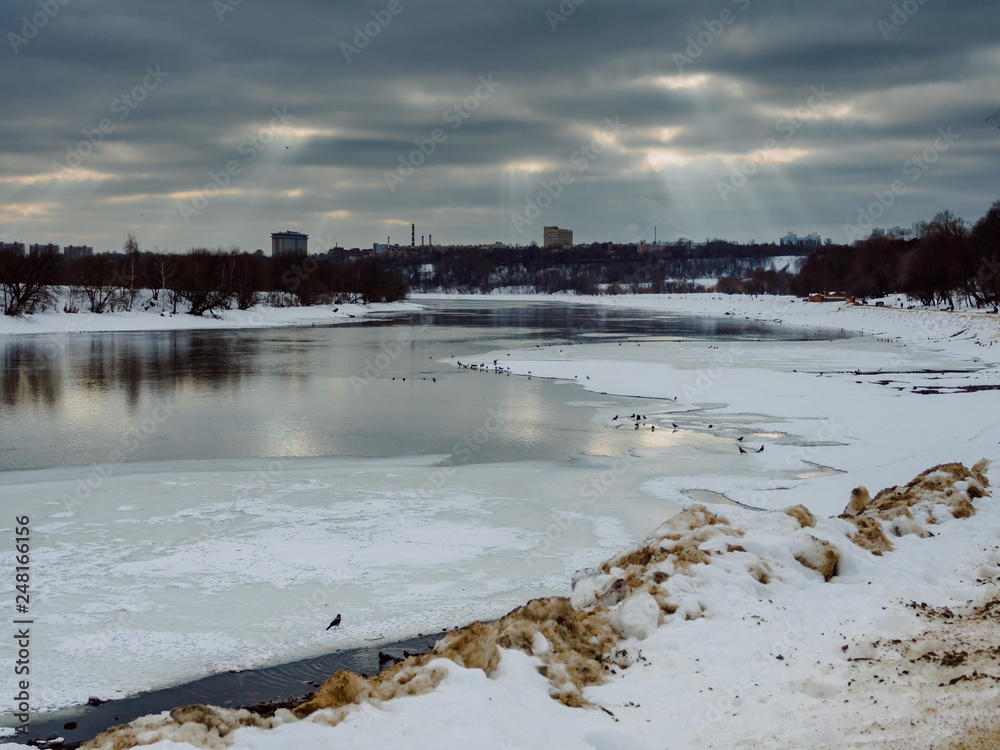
200	124
295	243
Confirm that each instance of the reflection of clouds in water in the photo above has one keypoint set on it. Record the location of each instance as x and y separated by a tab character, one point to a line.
290	391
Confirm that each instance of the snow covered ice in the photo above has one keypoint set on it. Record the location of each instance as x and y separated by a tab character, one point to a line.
210	567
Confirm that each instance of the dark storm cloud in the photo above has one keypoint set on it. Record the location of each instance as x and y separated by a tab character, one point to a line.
700	87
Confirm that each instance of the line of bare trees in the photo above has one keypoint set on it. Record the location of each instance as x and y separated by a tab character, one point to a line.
601	267
952	263
200	282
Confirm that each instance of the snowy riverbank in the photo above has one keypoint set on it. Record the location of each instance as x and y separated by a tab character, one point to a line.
964	332
724	629
154	319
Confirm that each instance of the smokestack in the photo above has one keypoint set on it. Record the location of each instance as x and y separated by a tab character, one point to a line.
413	235
421	240
430	240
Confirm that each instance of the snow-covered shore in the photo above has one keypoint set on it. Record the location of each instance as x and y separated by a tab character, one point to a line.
725	629
917	390
153	319
964	332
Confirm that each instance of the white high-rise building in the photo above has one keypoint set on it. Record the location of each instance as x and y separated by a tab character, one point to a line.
556	237
793	240
289	243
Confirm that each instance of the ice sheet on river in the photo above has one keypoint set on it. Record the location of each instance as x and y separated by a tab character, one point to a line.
175	570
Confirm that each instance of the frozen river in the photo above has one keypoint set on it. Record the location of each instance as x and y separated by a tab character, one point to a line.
202	501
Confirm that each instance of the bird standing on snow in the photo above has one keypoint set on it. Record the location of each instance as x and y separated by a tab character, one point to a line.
335	623
761	449
741	448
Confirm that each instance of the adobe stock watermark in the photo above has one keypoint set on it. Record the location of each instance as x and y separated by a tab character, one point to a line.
714	28
465	449
563	11
30	26
901	14
272	471
581	159
455	116
786	126
590	490
310	605
364	34
123	106
705	378
249	149
222	7
389	353
51	347
733	694
144	429
766	496
914	168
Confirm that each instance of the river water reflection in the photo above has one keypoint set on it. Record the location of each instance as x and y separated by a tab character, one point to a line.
372	389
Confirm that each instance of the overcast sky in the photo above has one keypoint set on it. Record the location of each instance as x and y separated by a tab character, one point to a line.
216	122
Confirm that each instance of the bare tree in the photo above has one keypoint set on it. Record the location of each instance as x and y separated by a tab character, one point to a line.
248	278
25	280
931	274
205	281
126	272
93	278
162	272
874	267
985	243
